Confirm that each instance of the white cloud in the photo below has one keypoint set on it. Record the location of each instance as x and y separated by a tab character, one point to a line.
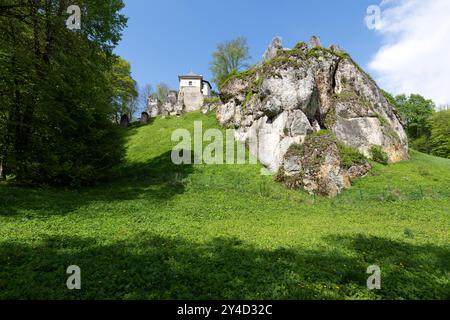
415	56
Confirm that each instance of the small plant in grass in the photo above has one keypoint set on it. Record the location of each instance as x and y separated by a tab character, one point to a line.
408	233
378	155
392	195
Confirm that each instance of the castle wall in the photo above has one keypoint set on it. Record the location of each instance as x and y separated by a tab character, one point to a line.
206	90
194	83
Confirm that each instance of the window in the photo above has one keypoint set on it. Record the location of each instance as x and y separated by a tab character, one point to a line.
190	83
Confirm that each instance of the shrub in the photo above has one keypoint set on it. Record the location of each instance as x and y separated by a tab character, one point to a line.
421	144
350	156
378	155
212	100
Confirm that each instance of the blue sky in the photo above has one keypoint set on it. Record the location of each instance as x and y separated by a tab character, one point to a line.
406	52
170	37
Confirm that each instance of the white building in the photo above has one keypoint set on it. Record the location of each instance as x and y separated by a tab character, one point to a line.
193	90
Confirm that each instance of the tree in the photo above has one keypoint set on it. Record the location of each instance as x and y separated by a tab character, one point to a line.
415	111
144	93
55	91
162	92
229	57
440	134
124	89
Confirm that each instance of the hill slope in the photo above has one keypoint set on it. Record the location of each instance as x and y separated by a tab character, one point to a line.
161	231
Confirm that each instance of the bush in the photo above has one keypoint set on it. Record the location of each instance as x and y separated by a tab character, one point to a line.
440	134
211	100
57	105
421	144
350	156
378	155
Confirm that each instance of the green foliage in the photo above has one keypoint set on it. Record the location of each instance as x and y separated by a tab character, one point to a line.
421	144
378	155
427	129
440	134
350	156
248	97
318	52
124	88
212	100
160	231
415	111
258	82
228	59
390	98
162	92
57	98
323	132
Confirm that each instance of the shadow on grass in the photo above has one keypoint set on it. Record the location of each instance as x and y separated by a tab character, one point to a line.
154	267
157	180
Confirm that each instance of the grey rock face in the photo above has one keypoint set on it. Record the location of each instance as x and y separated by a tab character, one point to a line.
153	107
315	42
363	117
317	167
172	106
272	50
210	105
336	49
305	90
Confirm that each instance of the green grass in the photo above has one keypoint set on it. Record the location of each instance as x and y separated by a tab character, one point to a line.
160	231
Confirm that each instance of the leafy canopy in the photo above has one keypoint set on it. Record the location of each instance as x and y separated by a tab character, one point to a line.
58	93
440	134
229	57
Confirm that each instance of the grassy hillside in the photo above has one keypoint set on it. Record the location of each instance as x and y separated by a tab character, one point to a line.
160	231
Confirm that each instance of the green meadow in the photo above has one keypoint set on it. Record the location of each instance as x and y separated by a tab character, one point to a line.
155	230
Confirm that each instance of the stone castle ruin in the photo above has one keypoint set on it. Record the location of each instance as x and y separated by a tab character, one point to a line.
191	96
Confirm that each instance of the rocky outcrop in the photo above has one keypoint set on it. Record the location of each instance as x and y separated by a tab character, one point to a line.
172	106
299	92
321	165
210	105
272	50
315	42
191	98
153	106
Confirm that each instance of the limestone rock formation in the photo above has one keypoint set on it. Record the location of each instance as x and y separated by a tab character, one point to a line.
153	106
173	106
315	42
210	105
321	165
272	50
301	91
